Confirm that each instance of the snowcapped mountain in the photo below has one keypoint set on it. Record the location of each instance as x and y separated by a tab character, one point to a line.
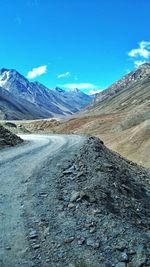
21	99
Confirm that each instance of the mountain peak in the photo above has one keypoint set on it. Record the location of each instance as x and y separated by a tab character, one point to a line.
134	76
34	100
12	71
76	90
5	74
3	70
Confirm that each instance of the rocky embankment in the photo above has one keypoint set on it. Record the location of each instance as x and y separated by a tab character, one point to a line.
7	138
99	214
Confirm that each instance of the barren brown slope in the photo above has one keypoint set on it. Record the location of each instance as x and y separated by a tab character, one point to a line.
133	142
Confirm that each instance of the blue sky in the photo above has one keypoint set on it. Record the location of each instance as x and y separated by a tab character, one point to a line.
74	43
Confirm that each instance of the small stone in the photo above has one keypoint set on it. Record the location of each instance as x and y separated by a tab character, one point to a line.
81	241
107	165
92	243
132	252
66	199
74	196
43	194
69	240
90	224
92	230
8	248
36	246
92	199
71	205
121	246
60	254
124	256
33	234
82	194
97	211
81	163
80	174
69	171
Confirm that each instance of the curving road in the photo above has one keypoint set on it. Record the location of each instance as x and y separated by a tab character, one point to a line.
20	167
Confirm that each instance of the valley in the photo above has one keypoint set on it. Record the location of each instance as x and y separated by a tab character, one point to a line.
74	133
119	115
66	197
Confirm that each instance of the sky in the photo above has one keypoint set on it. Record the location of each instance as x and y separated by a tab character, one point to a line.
88	44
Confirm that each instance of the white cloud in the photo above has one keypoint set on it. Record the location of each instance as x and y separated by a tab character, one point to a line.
138	63
35	72
143	51
64	75
79	86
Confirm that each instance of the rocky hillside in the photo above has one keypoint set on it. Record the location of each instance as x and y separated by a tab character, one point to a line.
135	99
127	81
21	99
7	138
99	214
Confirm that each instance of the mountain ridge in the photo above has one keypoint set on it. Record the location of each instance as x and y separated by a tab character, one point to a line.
138	74
36	99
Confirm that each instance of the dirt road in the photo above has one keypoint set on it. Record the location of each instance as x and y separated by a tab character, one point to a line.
38	159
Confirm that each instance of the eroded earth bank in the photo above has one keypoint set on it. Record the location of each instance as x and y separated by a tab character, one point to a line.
70	201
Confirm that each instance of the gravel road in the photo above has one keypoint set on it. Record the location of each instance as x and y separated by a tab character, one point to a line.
40	157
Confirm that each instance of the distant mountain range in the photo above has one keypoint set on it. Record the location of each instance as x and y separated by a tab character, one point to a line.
21	99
